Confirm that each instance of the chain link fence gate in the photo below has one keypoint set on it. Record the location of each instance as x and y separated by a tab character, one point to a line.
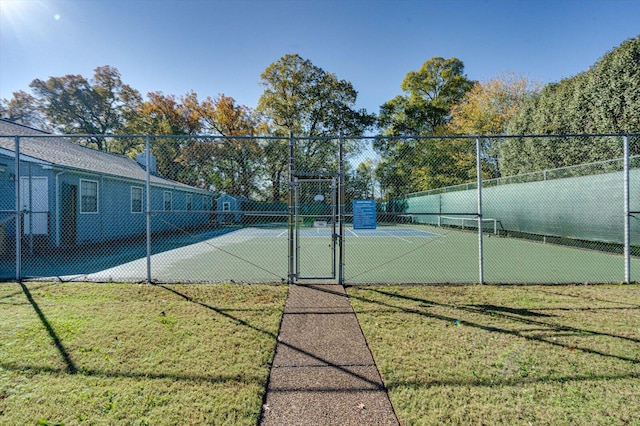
316	206
528	209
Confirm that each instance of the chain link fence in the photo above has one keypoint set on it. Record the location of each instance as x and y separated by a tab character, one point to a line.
534	209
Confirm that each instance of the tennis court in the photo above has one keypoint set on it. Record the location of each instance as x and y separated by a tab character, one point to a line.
428	236
388	232
407	253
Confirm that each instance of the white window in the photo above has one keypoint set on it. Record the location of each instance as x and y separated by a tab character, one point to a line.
88	196
189	202
168	204
136	199
226	206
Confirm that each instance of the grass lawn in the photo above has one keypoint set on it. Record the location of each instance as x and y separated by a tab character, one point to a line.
506	354
136	353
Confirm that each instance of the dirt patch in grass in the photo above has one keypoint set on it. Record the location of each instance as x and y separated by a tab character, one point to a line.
80	353
506	354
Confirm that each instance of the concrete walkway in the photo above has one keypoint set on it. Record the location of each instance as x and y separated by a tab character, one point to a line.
323	372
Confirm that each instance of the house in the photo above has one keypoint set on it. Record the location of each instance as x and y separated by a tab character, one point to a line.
72	195
232	204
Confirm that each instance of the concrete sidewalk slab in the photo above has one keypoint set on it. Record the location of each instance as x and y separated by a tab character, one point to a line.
323	371
321	339
317	298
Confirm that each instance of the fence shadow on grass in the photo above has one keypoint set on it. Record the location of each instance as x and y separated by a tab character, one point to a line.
629	305
21	291
71	367
510	314
231	378
367	383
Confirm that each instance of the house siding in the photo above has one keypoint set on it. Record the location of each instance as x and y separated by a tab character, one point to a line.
114	219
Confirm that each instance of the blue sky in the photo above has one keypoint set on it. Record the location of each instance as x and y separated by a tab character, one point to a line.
222	46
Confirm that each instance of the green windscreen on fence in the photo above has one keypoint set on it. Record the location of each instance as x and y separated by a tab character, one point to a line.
584	208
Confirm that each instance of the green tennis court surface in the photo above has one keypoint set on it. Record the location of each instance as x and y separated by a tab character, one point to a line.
389	254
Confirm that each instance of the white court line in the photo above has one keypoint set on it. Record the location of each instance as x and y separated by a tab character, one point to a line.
282	233
391	235
358	236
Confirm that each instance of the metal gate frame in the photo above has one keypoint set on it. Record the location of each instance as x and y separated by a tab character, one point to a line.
337	179
299	219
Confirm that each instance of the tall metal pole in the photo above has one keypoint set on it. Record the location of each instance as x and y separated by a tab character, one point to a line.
148	203
334	218
292	215
341	209
18	213
480	245
627	228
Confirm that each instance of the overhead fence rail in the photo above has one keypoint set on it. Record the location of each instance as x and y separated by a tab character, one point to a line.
465	209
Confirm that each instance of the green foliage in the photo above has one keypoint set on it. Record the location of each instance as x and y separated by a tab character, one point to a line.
360	183
419	164
604	99
429	95
614	83
303	99
73	104
413	165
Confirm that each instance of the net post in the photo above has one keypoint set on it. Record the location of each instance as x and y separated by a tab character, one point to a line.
291	273
147	147
18	213
627	240
480	245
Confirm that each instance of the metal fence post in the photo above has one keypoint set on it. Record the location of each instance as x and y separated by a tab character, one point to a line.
148	203
292	218
627	239
341	209
18	213
480	245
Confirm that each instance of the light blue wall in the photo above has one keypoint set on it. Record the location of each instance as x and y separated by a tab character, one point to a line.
114	219
234	205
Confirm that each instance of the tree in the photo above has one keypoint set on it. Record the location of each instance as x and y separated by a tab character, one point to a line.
615	83
212	152
604	99
24	109
488	107
302	98
73	104
231	164
430	93
167	115
416	164
361	182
